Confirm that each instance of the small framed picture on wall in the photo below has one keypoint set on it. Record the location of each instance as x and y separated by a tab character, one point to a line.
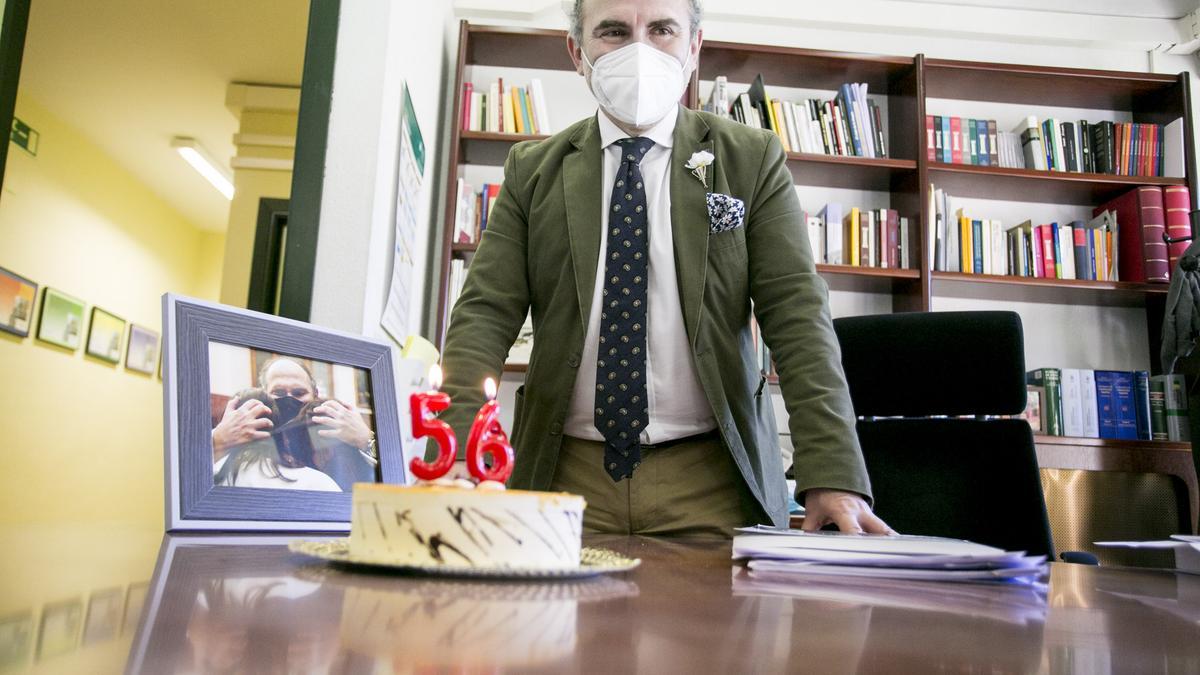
61	322
17	295
141	355
104	336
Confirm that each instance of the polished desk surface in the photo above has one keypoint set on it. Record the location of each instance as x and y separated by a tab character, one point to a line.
245	604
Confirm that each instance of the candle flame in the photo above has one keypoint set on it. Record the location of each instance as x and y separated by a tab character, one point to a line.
489	388
435	376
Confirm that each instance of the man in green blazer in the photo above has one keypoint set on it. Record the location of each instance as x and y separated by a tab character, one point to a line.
711	218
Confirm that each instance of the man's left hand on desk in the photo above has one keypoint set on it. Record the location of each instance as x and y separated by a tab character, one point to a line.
847	510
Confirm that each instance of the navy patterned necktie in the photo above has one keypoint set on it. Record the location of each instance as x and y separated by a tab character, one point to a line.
621	406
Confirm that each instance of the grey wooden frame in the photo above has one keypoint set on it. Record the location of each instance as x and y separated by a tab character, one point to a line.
192	501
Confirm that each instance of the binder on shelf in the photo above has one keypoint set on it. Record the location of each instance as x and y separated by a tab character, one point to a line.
1142	252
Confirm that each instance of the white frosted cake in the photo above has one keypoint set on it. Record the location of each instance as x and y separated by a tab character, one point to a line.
435	525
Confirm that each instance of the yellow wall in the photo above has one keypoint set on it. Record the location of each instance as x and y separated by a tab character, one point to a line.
82	440
251	185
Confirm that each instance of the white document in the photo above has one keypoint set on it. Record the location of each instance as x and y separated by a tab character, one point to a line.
762	537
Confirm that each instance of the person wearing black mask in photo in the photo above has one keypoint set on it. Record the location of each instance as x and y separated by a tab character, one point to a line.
291	385
308	441
270	461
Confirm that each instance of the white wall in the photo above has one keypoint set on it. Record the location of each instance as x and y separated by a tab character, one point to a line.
381	45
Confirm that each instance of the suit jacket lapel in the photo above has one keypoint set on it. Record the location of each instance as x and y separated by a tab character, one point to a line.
581	188
689	216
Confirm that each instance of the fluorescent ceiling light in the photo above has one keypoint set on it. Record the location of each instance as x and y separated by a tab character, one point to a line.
200	160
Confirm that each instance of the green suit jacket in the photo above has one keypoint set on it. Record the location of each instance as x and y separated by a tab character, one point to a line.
539	254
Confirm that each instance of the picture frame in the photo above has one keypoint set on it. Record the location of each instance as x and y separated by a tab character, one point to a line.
61	319
195	331
102	621
16	639
105	333
18	296
60	627
141	350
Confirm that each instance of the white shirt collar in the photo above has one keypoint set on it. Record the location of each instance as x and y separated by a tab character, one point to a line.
661	133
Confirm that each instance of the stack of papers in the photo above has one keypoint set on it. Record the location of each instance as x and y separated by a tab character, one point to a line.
824	554
1186	547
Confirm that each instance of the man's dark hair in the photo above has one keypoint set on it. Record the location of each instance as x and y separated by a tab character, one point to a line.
694	14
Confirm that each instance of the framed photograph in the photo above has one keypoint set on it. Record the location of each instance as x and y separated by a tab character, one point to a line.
59	632
16	638
103	619
17	295
269	421
135	601
141	355
61	322
104	336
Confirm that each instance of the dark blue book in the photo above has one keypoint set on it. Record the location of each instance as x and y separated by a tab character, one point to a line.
1141	403
984	146
1106	403
1126	405
1079	234
977	246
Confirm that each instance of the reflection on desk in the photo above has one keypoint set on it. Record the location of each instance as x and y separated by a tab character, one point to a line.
247	604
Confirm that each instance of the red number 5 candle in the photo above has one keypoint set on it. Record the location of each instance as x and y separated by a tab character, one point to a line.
424	405
488	438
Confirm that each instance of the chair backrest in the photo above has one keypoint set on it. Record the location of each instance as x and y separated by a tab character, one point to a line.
973	479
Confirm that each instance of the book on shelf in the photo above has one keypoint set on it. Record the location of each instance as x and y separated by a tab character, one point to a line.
850	124
1174	407
1114	404
472	209
506	109
1050	380
859	237
962	242
1076	146
1177	205
1143	253
1035	411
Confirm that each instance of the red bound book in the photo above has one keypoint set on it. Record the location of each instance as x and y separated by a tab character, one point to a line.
466	105
893	238
1141	251
1046	237
956	149
1177	202
929	136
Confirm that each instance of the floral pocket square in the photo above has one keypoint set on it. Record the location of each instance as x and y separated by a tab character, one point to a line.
724	212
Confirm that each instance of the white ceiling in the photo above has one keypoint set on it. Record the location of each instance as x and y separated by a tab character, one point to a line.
1145	9
131	74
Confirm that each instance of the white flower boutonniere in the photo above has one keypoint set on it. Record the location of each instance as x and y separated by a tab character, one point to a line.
698	162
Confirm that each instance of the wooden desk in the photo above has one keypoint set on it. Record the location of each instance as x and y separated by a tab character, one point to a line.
688	608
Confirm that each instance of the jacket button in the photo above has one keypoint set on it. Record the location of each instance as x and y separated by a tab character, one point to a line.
573	361
555	428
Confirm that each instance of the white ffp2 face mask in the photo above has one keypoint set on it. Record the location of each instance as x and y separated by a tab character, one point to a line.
637	84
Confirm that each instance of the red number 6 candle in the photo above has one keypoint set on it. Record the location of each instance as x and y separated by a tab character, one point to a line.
488	438
424	404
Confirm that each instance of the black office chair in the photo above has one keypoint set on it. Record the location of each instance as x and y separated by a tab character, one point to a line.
973	478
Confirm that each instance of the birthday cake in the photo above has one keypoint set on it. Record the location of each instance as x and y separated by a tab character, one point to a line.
449	525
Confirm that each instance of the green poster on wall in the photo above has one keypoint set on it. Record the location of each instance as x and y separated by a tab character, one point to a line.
413	130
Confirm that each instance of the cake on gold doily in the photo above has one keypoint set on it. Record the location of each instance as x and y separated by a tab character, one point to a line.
451	525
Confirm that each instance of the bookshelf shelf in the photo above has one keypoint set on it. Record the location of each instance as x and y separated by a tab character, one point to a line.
1037	186
1059	291
1148	446
860	173
1041	86
488	148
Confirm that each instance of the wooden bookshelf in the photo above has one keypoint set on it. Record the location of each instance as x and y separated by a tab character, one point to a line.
908	82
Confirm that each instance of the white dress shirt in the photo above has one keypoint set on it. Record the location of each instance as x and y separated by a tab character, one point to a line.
677	404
